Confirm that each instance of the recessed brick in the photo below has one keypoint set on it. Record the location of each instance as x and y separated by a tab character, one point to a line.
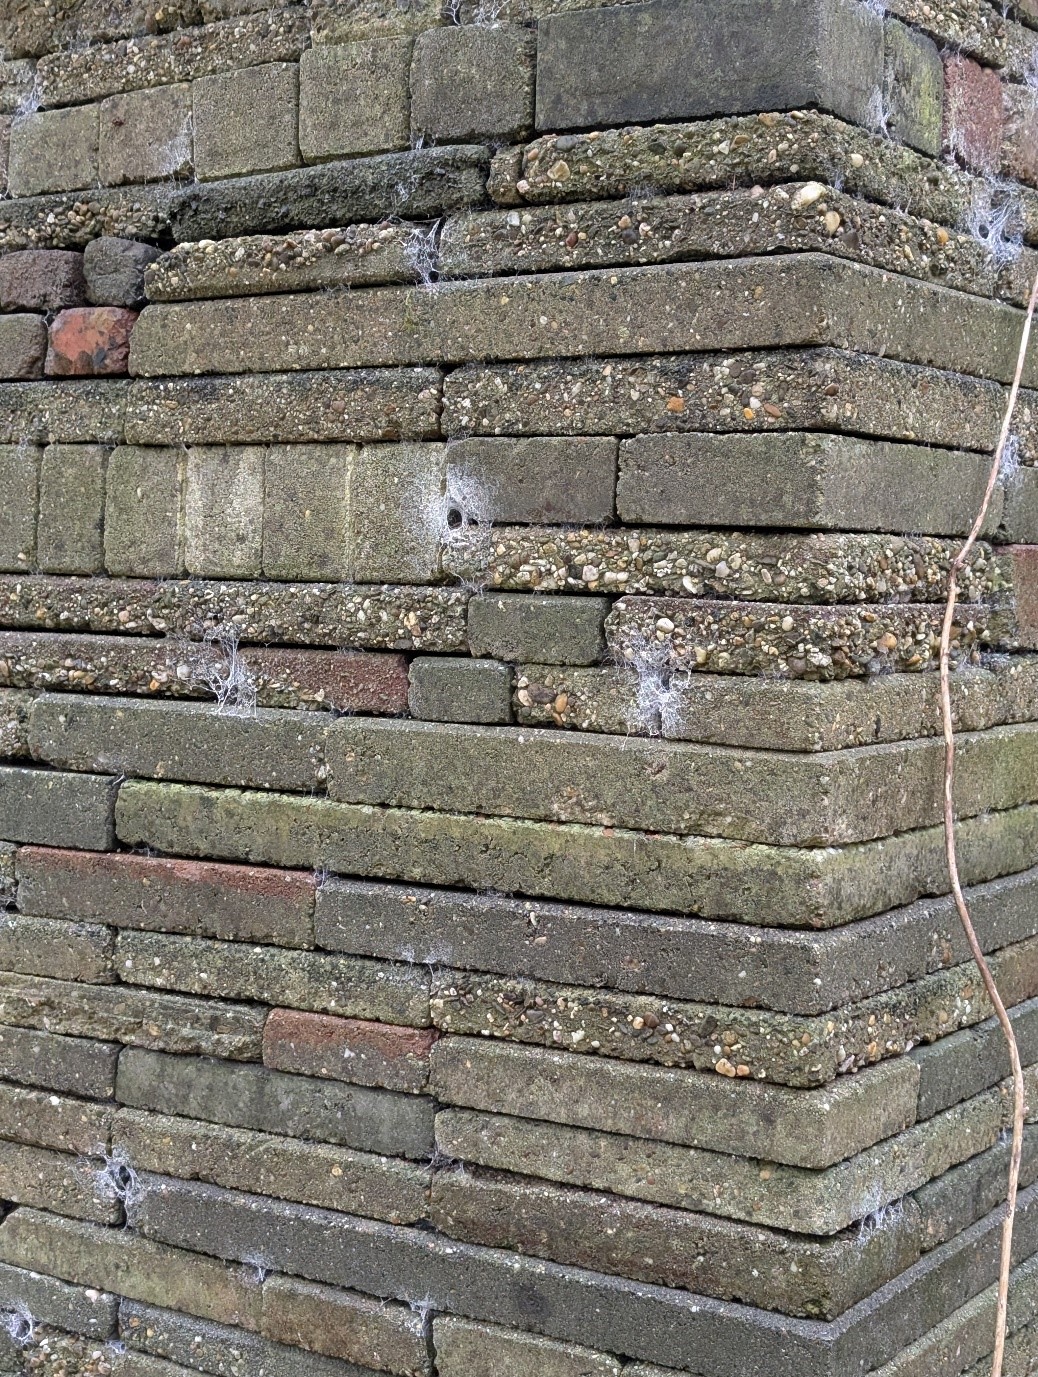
348	1049
972	113
90	342
41	280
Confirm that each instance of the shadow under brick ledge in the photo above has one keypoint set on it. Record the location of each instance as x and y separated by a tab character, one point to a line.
479	484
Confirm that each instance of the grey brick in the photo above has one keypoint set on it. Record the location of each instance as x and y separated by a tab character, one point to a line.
473	82
275	1102
41	1179
451	689
397	513
348	1325
146	135
56	947
114	270
74	1065
516	627
223	495
354	99
306	511
245	121
80	1309
20	484
663	61
48	808
539	479
23	346
53	150
69	534
44	1119
143	523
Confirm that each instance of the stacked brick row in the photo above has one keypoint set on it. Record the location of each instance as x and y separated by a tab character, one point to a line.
477	494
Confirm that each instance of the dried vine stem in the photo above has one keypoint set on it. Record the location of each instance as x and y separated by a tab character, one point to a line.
957	564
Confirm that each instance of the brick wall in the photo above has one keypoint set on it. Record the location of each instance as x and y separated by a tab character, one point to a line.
477	493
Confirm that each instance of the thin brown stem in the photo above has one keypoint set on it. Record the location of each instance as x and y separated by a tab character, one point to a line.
1019	1110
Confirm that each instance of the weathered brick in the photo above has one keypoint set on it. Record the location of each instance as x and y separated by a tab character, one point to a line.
23	346
69	537
224	494
473	82
56	947
646	63
65	412
346	1324
397	513
60	1122
114	271
254	1097
122	1262
526	627
41	280
145	135
77	1066
336	1178
200	898
306	511
347	1049
375	117
807	1128
14	745
708	877
245	121
53	150
912	107
332	21
372	404
80	1309
56	1181
464	1347
46	808
449	689
972	113
538	479
138	1018
202	1346
351	986
143	521
20	484
90	341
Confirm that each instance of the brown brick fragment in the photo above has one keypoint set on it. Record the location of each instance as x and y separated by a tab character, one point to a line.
41	280
348	1049
90	341
1025	583
1020	134
972	113
202	898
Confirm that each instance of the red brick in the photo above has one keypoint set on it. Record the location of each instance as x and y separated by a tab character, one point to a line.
353	681
203	898
348	1049
90	341
1020	134
1025	592
972	113
41	280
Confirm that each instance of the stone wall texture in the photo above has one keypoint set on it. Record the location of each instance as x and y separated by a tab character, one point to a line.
478	486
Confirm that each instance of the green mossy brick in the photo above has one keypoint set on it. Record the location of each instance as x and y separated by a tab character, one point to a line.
348	986
974	1058
54	150
80	1309
132	1016
473	82
20	483
41	1118
56	947
146	136
306	511
120	1261
913	88
375	117
144	517
663	62
270	749
336	1178
346	1324
69	536
254	1097
450	689
41	1179
49	808
513	627
246	121
803	1128
223	498
74	1065
463	1347
965	1193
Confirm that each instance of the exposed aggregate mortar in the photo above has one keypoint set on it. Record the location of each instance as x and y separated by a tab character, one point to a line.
837	568
70	220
